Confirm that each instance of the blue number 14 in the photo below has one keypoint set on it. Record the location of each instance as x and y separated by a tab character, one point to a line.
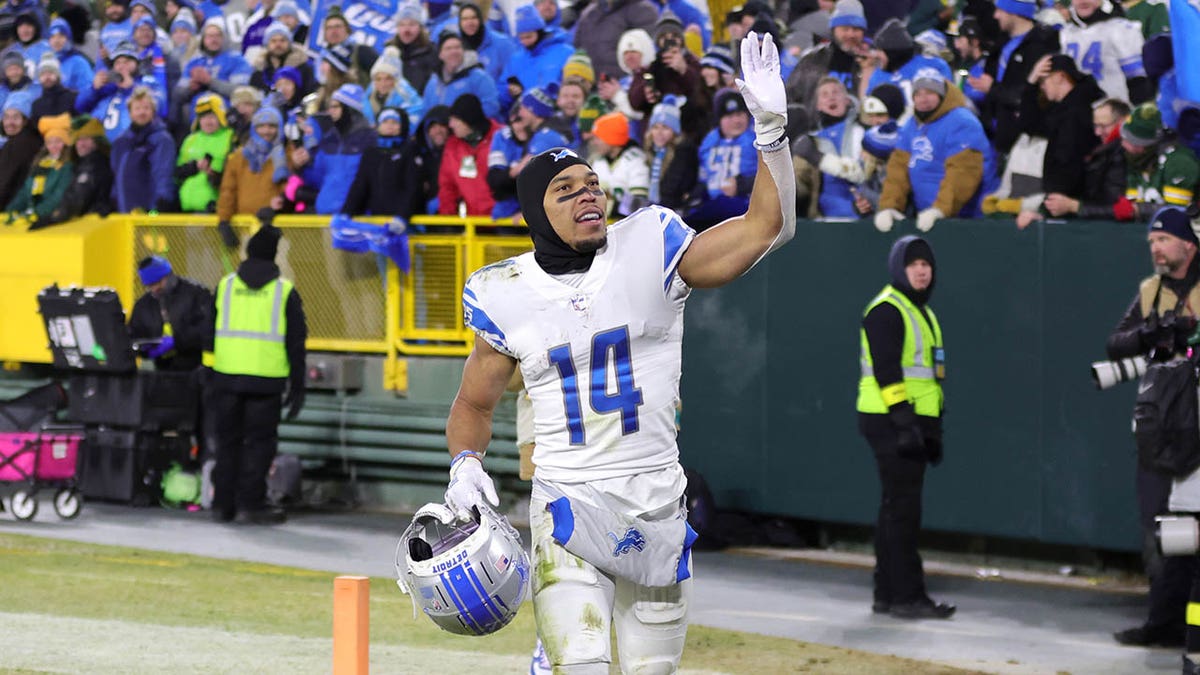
609	345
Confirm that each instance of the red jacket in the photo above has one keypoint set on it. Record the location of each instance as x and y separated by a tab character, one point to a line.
463	176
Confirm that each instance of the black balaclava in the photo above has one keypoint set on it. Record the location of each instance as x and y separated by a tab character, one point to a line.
552	254
907	249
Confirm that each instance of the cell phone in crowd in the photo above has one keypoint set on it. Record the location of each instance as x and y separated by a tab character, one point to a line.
648	80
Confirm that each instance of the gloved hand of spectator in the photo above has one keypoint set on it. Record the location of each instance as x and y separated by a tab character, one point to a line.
885	219
910	439
762	88
294	399
469	485
397	225
228	236
926	219
164	347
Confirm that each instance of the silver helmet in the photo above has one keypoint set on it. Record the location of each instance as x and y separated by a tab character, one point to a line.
471	576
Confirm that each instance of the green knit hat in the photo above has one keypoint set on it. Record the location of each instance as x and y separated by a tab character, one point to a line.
592	108
1144	126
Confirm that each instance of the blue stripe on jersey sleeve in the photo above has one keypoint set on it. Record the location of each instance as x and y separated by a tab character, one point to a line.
481	323
675	236
1132	66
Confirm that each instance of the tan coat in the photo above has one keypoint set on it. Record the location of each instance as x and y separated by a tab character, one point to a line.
242	190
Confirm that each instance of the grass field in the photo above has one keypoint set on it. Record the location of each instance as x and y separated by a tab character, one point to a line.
71	607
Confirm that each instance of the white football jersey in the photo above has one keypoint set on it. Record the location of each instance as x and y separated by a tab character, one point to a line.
1109	50
601	360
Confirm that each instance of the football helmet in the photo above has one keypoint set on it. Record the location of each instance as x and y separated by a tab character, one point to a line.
469	576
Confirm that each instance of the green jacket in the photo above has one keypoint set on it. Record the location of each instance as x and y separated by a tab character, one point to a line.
43	189
1171	179
197	190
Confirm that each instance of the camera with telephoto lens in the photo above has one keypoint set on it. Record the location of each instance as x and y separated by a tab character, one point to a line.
1177	535
1110	373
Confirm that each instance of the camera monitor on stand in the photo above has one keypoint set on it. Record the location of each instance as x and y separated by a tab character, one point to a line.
86	328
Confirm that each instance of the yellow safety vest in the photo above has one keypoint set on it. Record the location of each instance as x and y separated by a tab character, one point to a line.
251	326
922	371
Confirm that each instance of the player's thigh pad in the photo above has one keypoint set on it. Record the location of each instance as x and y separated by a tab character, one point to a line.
651	625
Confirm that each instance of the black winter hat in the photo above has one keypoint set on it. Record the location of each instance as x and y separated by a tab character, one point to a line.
468	109
893	37
265	243
892	98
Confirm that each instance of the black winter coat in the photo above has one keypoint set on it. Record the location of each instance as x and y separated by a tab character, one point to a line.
1067	127
679	177
420	61
382	186
16	157
188	306
1104	180
90	190
53	101
1003	103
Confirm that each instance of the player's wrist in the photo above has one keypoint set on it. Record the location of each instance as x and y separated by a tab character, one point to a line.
463	456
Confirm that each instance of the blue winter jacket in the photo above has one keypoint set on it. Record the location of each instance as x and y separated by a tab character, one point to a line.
539	66
20	7
77	70
506	151
724	158
113	34
26	84
143	164
404	97
494	53
110	104
835	200
905	74
335	163
469	79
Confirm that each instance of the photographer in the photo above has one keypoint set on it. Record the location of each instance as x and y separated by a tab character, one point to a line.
1158	324
674	71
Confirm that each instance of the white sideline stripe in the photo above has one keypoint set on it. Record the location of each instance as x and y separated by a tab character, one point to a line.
60	644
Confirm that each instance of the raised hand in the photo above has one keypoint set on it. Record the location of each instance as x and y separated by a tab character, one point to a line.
762	87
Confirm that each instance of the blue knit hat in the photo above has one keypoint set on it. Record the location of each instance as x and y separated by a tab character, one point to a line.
880	141
21	101
285	8
1025	8
1174	220
350	95
61	27
541	100
409	11
185	20
848	13
153	269
125	49
276	28
529	20
719	57
668	113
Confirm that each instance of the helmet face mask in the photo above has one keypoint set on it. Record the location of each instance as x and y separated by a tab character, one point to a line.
469	577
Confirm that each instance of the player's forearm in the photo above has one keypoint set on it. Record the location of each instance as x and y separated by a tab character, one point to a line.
468	428
772	212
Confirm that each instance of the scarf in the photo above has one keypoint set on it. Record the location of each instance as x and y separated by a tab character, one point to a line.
257	151
656	167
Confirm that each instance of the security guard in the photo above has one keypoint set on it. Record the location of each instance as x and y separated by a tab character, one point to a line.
900	414
258	348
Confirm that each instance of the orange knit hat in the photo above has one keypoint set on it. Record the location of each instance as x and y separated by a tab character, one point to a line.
58	126
612	128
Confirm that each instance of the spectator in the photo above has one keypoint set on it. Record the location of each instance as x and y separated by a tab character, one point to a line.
215	68
389	89
416	50
143	159
254	37
716	69
382	186
542	53
15	77
287	93
460	74
894	59
202	156
674	71
728	163
674	160
1057	105
604	24
536	109
1104	172
287	13
91	179
1004	84
1108	47
29	40
494	48
20	144
693	20
571	97
116	29
1159	169
552	15
809	24
636	51
49	177
840	58
973	58
280	52
620	165
579	68
243	104
334	71
463	175
151	60
833	150
336	31
76	69
942	158
424	151
184	43
877	146
55	99
13	9
254	174
506	158
345	135
1153	17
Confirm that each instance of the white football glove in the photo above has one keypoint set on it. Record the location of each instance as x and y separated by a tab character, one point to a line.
469	485
927	218
885	219
762	87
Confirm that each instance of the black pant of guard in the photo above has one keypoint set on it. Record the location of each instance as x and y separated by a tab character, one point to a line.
1171	577
899	577
247	434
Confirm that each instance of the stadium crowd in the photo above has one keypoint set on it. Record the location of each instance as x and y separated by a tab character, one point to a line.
1024	109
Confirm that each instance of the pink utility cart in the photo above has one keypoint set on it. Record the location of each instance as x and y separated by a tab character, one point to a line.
33	461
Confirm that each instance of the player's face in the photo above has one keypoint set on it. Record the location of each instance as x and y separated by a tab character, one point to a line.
575	207
919	274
